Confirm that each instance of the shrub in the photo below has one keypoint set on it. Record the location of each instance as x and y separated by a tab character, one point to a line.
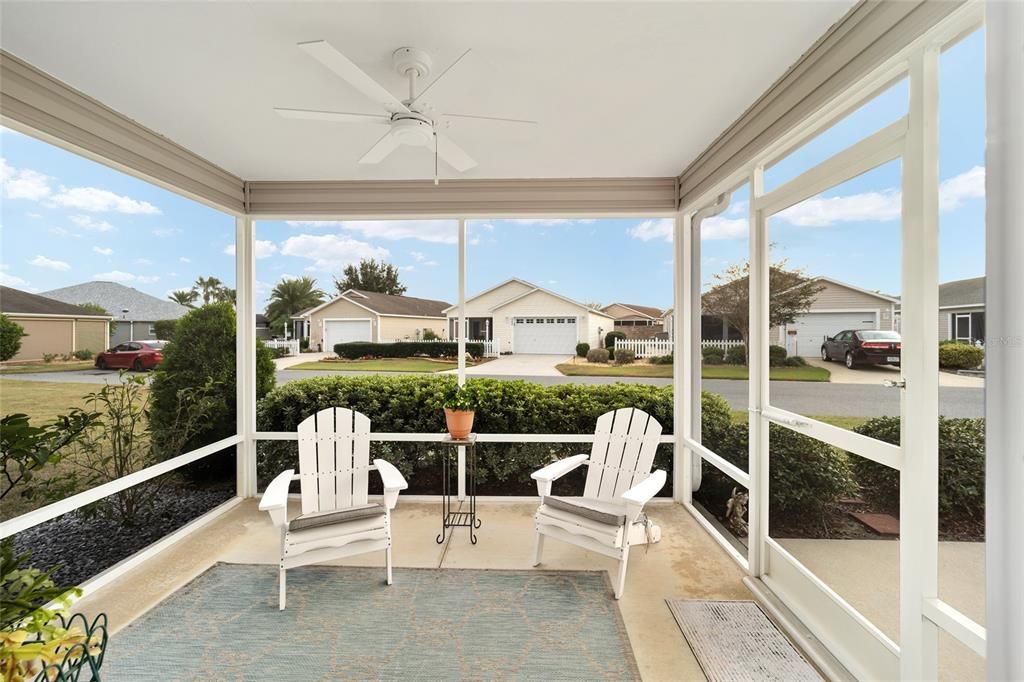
625	356
662	359
304	343
11	334
961	468
582	349
795	361
609	338
736	355
960	355
713	355
405	349
281	352
82	354
776	356
598	355
164	329
430	335
50	357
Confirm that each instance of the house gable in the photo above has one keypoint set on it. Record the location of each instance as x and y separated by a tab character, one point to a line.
836	296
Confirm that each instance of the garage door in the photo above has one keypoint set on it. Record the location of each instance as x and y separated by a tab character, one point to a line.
545	335
812	328
343	331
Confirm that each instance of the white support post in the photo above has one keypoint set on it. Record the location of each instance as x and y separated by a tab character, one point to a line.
682	374
919	407
462	343
245	359
1004	342
757	363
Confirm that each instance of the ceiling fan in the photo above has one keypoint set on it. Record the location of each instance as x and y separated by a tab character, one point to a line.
410	122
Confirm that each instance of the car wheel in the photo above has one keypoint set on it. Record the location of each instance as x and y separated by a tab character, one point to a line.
137	365
101	363
850	364
824	354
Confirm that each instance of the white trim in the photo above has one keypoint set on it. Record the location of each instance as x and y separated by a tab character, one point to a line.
956	332
245	356
487	291
548	291
956	624
61	316
641	314
964	305
725	466
341	297
863	446
402	437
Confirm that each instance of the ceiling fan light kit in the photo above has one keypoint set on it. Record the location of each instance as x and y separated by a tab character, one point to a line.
411	124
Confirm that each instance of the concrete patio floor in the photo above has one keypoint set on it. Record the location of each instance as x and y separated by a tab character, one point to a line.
687	563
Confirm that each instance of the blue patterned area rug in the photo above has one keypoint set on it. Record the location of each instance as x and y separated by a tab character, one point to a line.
344	623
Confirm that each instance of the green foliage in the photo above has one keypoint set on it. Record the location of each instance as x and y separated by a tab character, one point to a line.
429	335
50	357
609	338
265	370
776	356
291	296
82	354
713	355
405	349
795	361
961	468
582	349
11	334
625	356
598	355
164	329
736	355
371	275
185	297
662	359
461	398
960	355
25	448
304	344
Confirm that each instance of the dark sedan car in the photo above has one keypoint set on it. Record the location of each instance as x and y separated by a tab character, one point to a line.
863	347
134	355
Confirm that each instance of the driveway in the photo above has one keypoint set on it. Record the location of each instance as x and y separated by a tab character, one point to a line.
518	366
876	374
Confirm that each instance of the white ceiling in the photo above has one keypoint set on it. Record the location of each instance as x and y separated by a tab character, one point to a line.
620	88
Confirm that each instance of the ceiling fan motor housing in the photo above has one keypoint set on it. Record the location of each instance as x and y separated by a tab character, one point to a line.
414	130
407	59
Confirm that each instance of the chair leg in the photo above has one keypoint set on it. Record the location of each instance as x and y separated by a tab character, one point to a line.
387	559
620	583
539	549
281	588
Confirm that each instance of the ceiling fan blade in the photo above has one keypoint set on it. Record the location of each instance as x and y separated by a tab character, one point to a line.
496	119
329	56
379	151
339	116
441	75
453	154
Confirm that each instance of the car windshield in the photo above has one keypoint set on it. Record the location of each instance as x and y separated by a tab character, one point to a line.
879	336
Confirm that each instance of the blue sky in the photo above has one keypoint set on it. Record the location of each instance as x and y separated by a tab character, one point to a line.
66	220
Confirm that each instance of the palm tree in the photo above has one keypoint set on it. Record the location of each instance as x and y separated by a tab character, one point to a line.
291	296
185	297
209	288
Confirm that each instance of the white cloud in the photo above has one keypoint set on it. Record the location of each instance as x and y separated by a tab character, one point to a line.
50	264
23	183
100	200
406	268
34	216
143	261
551	221
185	260
103	251
9	280
720	227
434	231
865	207
121	276
652	228
331	251
422	259
89	223
968	185
163	232
264	249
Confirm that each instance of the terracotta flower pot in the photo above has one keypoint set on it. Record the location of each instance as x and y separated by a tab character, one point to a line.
460	422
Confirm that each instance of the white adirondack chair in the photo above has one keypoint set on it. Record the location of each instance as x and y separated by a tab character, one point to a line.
607	518
337	520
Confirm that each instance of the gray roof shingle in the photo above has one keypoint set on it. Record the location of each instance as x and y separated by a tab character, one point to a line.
16	301
116	297
385	304
962	292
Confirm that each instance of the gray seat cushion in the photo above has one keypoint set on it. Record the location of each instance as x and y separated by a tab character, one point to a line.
579	507
329	518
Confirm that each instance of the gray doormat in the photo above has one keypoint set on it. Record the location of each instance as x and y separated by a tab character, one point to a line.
735	642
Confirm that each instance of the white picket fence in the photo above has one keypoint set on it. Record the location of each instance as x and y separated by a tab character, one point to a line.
646	348
491	348
291	344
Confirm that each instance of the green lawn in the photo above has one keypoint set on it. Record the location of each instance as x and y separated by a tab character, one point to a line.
48	367
382	365
740	417
708	372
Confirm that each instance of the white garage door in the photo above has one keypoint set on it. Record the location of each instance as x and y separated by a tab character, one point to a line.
544	335
343	331
812	328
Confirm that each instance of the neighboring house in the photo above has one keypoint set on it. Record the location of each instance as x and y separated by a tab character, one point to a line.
961	310
837	307
53	327
262	327
524	318
369	316
134	311
636	321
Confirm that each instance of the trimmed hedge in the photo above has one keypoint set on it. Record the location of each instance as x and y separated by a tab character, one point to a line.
625	356
355	350
661	359
961	468
960	355
736	355
582	349
598	355
713	355
776	356
609	338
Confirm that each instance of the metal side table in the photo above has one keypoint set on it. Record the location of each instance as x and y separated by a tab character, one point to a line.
457	518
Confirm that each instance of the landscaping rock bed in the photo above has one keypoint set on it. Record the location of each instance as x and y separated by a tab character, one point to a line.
85	546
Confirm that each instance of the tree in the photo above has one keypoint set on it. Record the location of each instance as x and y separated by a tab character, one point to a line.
10	337
99	310
291	296
209	288
371	275
790	294
185	297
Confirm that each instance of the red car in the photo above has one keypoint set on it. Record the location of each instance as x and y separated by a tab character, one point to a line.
135	355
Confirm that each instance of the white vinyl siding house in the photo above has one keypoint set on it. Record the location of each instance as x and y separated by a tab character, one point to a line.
368	316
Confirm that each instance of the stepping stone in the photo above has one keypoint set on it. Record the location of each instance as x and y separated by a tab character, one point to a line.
883	524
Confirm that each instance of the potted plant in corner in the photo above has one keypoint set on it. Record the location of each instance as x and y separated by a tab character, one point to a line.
459	411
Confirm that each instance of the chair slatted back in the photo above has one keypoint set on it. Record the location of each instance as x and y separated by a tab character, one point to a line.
334	459
623	453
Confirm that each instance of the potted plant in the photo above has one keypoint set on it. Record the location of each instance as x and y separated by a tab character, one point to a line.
459	410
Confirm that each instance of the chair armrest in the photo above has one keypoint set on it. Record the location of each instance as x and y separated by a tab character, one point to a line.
393	481
548	474
640	494
275	498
